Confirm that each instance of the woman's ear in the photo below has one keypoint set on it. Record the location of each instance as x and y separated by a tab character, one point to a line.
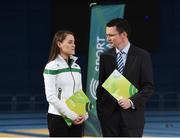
58	44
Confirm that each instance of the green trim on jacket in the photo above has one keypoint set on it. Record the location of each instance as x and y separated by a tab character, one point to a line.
58	71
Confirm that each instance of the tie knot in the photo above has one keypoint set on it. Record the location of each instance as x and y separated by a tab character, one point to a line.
120	53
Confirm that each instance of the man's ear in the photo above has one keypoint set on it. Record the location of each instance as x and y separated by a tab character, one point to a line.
125	34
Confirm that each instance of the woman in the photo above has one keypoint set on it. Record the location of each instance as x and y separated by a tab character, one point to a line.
62	78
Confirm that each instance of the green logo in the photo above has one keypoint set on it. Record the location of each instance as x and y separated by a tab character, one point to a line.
132	90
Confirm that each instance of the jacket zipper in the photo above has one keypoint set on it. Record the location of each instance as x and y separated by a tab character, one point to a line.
72	78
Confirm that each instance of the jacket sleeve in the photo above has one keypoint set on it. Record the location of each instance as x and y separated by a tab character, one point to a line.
146	82
52	98
80	82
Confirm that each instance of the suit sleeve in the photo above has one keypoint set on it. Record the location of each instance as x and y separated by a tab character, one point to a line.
146	82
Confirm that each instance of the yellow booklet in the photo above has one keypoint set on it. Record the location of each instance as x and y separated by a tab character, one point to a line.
118	86
79	103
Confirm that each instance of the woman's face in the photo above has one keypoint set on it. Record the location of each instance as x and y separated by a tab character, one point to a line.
67	46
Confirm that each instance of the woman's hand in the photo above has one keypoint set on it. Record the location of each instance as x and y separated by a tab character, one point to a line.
80	119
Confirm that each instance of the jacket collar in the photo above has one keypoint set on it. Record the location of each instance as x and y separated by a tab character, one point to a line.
62	60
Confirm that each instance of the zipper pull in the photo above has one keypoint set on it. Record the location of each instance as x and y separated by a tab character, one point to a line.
59	93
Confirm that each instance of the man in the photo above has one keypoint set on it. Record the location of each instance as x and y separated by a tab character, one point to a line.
124	117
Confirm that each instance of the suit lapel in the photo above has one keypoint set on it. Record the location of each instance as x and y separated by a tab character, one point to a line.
130	59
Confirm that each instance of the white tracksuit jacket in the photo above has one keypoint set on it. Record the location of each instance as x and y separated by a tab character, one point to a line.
61	81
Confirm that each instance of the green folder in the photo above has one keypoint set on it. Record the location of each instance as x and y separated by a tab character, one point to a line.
79	103
118	86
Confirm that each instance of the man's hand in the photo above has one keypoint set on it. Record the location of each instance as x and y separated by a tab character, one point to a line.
124	103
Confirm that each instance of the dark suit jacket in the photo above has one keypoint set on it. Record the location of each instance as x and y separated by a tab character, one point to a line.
138	70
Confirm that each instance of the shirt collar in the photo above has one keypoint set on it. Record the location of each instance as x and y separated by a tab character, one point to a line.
124	50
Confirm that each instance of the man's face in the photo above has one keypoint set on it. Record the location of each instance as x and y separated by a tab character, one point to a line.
114	38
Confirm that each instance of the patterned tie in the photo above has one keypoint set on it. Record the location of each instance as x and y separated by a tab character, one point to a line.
120	63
